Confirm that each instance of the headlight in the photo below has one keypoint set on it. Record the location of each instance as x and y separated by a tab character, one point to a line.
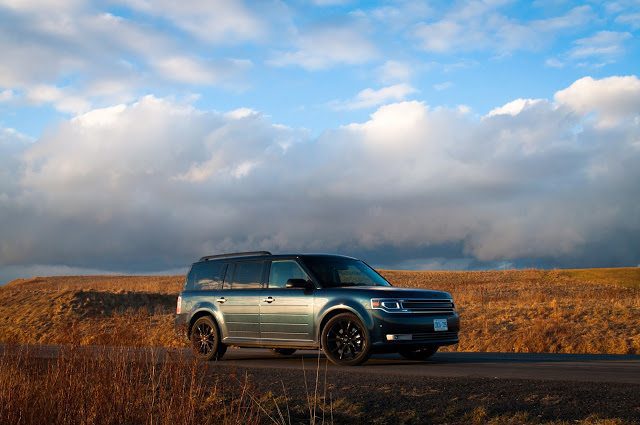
385	304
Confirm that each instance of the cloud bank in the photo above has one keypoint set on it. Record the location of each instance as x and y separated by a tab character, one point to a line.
153	184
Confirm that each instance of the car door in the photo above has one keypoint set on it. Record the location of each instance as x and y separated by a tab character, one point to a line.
286	314
239	302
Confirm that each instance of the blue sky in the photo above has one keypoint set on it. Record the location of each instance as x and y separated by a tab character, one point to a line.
364	113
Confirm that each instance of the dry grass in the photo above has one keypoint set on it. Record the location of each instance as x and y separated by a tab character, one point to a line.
119	387
144	386
90	310
556	311
559	311
118	284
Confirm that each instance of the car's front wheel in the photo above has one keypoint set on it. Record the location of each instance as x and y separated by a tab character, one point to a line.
422	353
345	340
205	339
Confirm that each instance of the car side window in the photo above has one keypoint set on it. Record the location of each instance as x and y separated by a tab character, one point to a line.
247	275
283	270
209	276
206	276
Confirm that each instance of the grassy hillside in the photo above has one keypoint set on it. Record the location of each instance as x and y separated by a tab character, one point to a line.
105	310
565	311
558	311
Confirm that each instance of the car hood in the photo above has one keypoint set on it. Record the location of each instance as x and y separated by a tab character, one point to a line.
394	292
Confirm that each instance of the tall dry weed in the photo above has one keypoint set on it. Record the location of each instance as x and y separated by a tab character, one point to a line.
121	386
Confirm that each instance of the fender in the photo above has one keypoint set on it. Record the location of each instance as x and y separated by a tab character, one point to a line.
343	304
212	309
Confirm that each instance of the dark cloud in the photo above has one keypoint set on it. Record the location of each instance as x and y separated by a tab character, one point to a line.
155	184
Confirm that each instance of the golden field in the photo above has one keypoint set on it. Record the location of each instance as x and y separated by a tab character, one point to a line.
556	311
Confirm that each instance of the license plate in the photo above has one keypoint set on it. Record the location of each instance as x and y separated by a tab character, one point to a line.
440	325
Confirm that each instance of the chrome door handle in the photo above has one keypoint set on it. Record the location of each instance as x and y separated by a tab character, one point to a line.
269	300
221	300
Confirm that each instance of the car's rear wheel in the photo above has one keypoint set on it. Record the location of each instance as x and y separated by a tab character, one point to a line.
345	340
422	353
205	340
284	351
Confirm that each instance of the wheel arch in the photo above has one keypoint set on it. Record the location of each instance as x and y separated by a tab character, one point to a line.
339	309
201	313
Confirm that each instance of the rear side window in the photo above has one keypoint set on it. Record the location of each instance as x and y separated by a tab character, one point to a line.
247	275
206	276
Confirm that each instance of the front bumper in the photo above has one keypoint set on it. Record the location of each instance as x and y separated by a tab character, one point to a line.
393	331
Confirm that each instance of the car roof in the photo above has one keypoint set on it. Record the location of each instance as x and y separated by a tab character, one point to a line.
251	256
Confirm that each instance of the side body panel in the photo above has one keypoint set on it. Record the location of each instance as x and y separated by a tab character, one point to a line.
286	316
240	314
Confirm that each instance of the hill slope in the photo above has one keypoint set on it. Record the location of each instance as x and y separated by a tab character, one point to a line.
564	311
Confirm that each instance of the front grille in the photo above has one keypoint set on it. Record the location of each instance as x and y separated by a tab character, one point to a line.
435	336
427	306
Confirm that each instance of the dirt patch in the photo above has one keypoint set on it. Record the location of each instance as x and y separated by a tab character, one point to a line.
105	304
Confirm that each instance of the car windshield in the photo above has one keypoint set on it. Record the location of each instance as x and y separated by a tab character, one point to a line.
339	272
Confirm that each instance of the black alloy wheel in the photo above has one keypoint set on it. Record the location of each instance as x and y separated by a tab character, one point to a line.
205	340
284	351
422	353
345	340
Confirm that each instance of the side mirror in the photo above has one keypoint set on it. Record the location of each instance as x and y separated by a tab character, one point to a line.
299	283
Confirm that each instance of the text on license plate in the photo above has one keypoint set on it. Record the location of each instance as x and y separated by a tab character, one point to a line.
440	325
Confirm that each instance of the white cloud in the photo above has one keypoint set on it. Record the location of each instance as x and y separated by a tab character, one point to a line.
443	86
186	70
155	183
369	98
631	19
45	6
216	21
10	136
603	46
6	95
75	55
61	98
395	72
103	117
193	71
612	99
240	113
400	14
478	26
514	107
70	42
330	2
554	63
442	36
324	47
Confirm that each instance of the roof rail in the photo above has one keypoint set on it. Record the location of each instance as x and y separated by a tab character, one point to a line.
235	254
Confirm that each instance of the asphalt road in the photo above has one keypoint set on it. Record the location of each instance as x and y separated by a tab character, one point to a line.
551	367
557	367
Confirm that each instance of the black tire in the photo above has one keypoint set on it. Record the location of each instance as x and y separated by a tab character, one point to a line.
345	340
284	351
419	354
205	339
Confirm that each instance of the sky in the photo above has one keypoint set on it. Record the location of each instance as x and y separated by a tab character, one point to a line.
139	135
